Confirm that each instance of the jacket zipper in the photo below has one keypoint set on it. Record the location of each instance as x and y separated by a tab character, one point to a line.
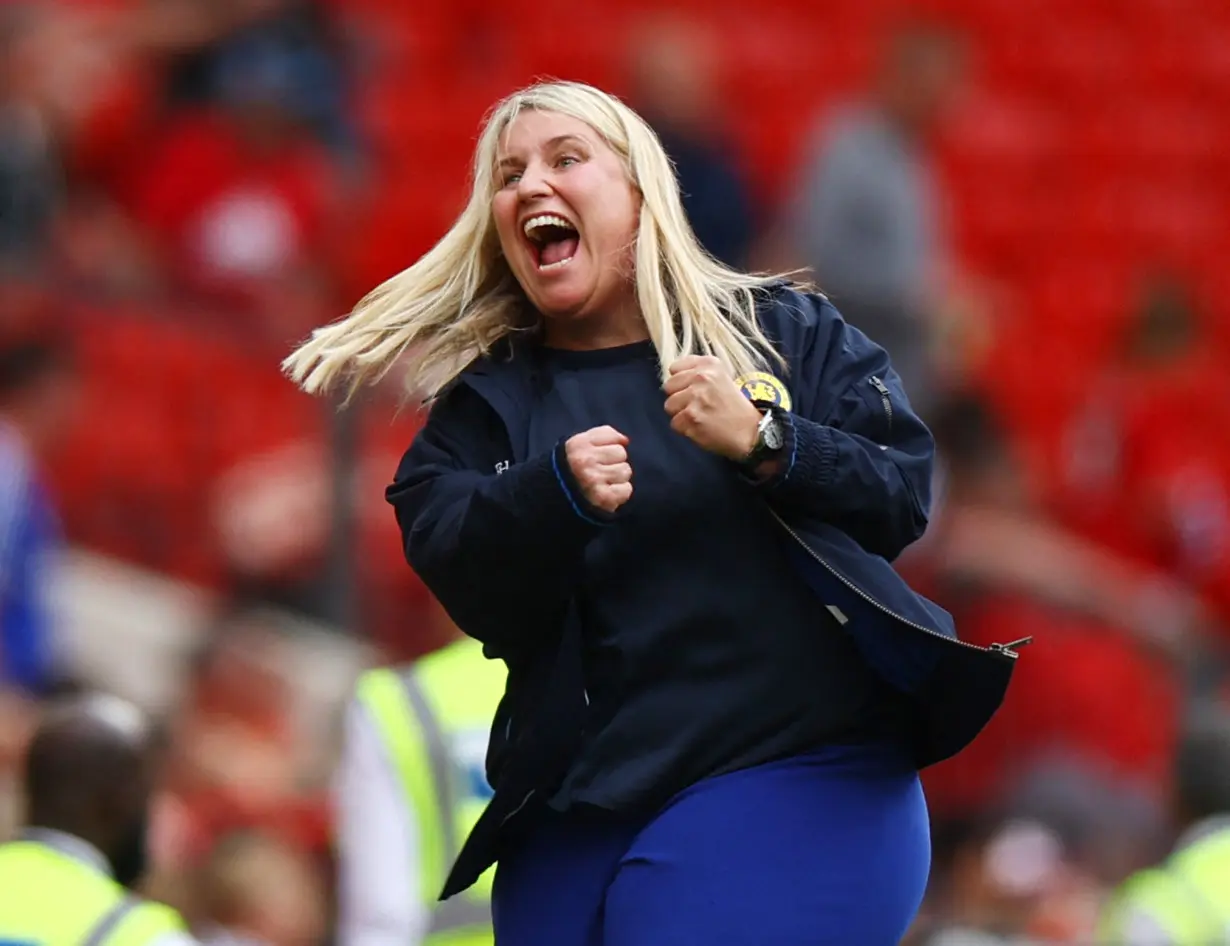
524	801
1007	650
882	390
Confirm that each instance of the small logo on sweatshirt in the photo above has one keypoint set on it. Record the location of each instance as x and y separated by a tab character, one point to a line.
763	387
502	467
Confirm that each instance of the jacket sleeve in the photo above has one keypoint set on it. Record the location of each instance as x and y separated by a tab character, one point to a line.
502	552
857	456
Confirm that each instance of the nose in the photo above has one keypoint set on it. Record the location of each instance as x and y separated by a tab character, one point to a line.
534	183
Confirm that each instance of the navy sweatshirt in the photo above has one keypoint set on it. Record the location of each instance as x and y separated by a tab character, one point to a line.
746	667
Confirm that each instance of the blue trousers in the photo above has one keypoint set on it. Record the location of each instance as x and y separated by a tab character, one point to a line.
828	849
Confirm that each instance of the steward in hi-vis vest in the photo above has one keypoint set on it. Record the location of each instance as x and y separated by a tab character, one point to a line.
411	785
1185	900
66	880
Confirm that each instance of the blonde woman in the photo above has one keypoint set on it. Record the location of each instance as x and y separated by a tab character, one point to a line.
666	495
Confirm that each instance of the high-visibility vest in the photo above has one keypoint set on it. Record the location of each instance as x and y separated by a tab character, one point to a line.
50	898
434	720
1188	896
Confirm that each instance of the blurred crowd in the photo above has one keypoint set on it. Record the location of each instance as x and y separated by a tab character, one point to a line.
1032	229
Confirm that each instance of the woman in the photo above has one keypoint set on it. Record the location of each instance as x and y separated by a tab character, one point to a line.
639	472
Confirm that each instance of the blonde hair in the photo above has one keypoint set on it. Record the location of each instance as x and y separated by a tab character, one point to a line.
461	297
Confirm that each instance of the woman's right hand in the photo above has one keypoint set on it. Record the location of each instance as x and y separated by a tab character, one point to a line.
599	461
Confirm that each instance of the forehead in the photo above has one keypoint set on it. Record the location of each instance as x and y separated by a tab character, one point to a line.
534	130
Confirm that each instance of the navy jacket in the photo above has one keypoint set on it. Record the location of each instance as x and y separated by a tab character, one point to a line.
498	537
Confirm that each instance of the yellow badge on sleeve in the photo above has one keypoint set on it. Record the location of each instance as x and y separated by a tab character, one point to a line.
763	387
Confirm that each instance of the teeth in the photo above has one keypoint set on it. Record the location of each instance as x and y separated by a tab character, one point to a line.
547	220
558	264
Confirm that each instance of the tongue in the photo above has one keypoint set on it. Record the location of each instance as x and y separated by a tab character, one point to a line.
558	250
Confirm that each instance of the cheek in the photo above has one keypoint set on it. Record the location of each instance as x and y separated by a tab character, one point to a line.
616	228
505	219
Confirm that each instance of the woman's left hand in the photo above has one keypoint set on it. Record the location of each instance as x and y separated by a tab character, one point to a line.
707	407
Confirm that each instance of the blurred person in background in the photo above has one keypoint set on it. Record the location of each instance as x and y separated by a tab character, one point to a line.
37	406
58	63
236	758
67	879
997	873
297	39
31	175
1185	901
256	890
1145	472
689	749
867	216
411	784
1099	704
38	403
243	198
675	85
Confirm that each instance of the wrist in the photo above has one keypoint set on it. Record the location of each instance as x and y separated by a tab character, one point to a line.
749	434
767	441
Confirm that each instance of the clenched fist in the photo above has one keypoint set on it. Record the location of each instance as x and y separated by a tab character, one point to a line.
707	407
599	461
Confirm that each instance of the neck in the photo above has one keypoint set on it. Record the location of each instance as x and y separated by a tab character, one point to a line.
590	333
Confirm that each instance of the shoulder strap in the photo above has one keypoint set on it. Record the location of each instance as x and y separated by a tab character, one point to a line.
110	920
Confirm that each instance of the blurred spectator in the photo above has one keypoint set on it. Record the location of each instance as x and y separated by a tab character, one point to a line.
1100	692
256	890
30	171
991	530
237	760
56	64
1007	882
288	43
675	87
1143	474
71	874
38	388
243	200
1186	900
867	216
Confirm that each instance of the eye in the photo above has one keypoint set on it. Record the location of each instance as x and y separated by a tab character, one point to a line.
509	178
567	160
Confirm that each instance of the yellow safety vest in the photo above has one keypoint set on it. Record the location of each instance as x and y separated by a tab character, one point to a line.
435	721
50	898
1188	896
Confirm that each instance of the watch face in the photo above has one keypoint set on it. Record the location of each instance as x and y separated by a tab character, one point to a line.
773	438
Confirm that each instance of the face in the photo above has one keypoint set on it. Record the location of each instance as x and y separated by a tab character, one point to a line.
566	214
927	80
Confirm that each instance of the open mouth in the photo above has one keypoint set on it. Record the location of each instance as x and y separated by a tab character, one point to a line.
553	239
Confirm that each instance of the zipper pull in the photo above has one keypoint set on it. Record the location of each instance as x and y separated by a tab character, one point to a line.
1010	649
886	401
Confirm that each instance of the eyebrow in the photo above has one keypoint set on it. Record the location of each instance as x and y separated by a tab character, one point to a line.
550	144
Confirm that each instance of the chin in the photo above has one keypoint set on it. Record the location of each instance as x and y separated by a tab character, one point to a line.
560	300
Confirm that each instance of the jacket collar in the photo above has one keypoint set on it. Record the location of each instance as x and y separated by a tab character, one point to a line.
1202	831
70	846
505	378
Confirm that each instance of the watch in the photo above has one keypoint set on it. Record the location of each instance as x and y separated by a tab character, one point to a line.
770	438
